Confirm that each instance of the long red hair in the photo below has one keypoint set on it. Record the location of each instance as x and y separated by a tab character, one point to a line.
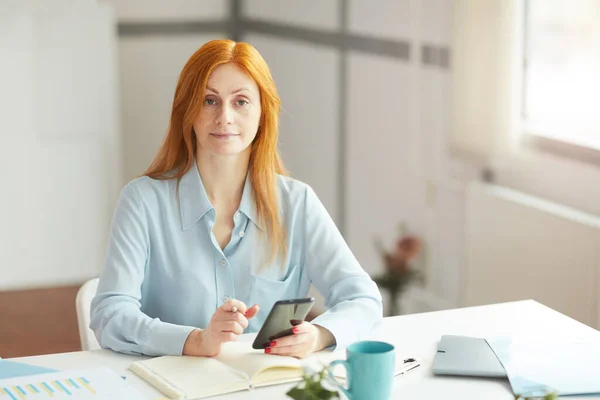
176	154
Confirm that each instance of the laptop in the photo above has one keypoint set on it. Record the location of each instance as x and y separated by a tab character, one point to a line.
466	356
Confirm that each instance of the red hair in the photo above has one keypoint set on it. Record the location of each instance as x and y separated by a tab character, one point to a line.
177	152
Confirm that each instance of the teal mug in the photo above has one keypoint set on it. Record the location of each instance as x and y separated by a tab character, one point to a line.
369	370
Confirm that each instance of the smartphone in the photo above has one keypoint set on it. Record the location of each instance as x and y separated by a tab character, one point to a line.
284	315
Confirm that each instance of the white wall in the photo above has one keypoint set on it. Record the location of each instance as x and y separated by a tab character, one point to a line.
148	11
522	247
317	14
562	180
444	176
385	182
60	159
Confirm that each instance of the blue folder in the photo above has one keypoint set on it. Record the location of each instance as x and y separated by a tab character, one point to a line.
538	367
13	369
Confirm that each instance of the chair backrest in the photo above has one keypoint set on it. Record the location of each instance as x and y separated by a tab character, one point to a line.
83	302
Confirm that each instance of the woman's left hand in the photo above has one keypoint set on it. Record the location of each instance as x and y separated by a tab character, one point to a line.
305	340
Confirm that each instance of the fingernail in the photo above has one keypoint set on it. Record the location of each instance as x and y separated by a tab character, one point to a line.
295	329
267	350
273	344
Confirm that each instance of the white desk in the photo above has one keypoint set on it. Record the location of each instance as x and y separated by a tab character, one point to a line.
413	335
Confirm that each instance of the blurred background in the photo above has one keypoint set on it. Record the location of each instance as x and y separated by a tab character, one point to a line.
471	124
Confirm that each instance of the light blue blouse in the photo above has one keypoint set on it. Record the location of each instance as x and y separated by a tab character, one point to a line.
165	274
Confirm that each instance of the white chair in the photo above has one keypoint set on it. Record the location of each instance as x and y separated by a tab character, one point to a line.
83	302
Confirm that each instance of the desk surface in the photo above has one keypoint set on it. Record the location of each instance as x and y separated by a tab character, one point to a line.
413	335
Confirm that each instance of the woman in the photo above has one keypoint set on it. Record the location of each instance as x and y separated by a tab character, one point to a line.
214	231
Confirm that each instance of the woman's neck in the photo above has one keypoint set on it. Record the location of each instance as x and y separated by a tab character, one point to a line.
223	178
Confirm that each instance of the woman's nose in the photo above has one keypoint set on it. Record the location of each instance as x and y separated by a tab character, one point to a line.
225	116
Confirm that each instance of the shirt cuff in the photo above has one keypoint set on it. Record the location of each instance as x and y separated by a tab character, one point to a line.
337	330
167	339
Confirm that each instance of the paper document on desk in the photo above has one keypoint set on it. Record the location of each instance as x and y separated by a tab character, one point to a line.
536	368
94	383
13	369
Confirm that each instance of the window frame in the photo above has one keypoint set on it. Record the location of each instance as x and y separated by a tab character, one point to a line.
534	140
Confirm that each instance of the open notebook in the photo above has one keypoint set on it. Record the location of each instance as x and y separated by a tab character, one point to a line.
238	367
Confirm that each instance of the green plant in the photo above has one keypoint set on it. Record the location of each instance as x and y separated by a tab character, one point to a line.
311	387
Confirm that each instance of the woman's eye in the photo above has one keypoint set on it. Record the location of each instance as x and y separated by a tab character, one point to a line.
241	103
210	102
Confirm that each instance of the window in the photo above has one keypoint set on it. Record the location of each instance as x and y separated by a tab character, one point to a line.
561	91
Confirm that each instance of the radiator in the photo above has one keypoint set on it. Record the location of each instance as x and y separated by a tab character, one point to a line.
521	247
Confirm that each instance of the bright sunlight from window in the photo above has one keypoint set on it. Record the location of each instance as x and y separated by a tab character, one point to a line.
562	70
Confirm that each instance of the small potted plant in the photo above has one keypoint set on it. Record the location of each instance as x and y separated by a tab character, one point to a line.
400	266
313	386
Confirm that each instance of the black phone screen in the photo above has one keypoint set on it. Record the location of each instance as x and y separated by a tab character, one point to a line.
284	315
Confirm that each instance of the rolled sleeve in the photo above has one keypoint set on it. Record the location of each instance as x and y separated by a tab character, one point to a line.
167	339
116	316
353	301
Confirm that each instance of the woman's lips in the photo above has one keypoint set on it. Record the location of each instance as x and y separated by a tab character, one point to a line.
219	135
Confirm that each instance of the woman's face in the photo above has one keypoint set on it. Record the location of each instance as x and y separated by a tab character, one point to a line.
230	114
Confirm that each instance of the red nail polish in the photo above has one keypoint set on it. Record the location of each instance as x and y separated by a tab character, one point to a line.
273	344
295	329
267	350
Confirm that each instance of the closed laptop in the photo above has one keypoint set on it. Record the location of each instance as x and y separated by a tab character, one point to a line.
466	356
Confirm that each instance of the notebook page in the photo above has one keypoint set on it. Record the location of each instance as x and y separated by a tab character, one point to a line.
242	357
277	375
181	377
265	369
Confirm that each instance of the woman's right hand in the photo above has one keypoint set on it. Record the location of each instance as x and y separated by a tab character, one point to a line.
226	324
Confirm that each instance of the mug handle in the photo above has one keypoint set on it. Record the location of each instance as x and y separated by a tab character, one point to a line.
335	381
